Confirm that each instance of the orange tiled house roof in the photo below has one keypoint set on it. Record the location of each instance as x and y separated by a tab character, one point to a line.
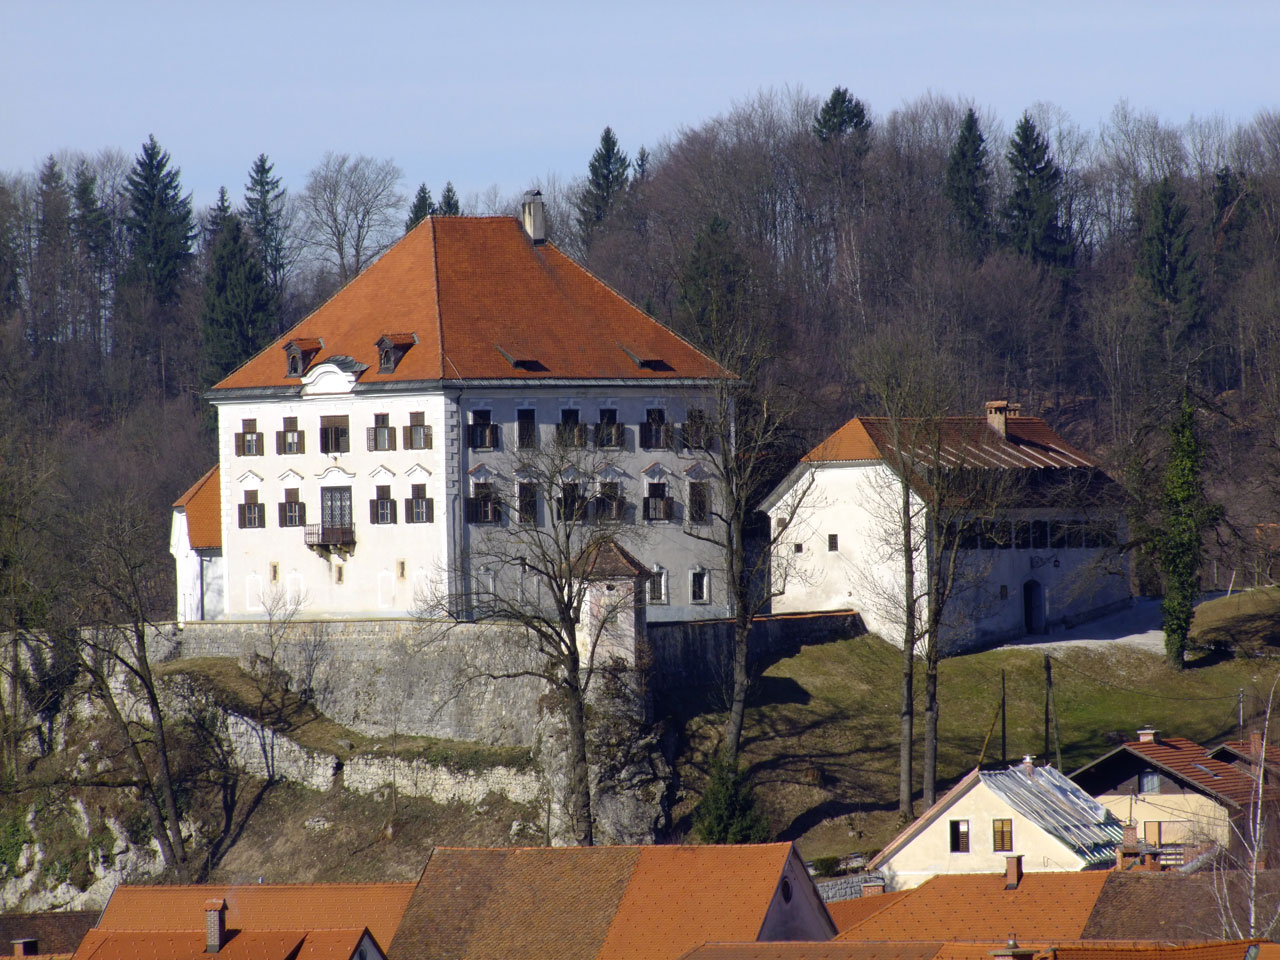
202	504
485	303
1192	763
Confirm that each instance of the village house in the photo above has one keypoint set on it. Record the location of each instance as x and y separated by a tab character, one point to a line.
1038	549
284	921
472	384
1023	818
1175	791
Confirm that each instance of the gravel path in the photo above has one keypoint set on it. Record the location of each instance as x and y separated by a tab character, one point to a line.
1137	626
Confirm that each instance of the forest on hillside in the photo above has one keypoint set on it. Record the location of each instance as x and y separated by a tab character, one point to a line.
1103	278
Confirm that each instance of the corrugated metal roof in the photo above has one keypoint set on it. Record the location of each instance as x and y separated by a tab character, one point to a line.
1054	803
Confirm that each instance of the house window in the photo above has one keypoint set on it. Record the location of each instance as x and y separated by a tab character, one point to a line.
251	514
527	493
1022	535
657	586
274	572
569	432
289	441
1149	782
387	360
248	440
293	512
335	437
526	429
1039	534
609	504
699	501
483	506
799	548
295	366
959	836
696	434
699	586
609	430
657	505
339	573
655	432
417	435
482	431
419	508
335	525
833	542
381	436
382	509
1002	835
572	505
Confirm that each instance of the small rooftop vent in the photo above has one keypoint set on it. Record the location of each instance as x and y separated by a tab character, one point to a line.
533	216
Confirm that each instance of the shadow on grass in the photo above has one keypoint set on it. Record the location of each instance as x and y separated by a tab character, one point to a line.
767	691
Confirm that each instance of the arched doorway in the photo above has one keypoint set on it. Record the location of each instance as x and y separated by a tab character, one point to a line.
1033	606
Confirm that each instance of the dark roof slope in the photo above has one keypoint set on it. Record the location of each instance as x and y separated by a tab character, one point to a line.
1173	906
54	932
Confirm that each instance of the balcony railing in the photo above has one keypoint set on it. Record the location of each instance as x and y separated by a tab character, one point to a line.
318	535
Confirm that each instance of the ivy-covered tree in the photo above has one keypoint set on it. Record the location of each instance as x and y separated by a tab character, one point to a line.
266	215
1167	268
237	317
423	207
607	177
1032	215
840	115
1185	515
968	184
449	205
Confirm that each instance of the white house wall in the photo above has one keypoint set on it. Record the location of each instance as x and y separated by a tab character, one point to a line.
929	852
391	563
200	575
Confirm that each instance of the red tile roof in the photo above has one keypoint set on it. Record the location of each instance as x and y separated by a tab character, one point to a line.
1192	763
486	303
1226	950
847	913
619	903
202	504
954	441
260	907
978	950
1044	906
805	950
1173	906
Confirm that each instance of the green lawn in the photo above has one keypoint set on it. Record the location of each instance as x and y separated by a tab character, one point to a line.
822	729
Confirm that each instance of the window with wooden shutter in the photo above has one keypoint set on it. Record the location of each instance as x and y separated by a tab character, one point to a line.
417	435
959	830
382	509
418	508
250	513
248	441
293	512
699	501
335	436
381	436
526	429
1002	835
609	430
528	498
482	432
657	505
289	441
484	506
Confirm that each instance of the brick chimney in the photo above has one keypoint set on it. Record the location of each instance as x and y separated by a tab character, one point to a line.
1012	872
215	925
998	414
1255	744
533	216
1028	763
1147	734
1011	951
872	886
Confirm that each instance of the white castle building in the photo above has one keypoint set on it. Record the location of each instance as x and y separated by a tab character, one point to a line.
366	456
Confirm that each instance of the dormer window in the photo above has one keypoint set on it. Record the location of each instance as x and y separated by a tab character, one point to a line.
391	350
299	354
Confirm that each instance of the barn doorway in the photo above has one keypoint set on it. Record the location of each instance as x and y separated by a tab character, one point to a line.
1033	606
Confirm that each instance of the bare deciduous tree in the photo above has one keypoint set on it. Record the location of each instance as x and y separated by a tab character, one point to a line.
351	210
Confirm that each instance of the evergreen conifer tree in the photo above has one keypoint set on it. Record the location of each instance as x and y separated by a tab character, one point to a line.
237	317
607	176
840	114
216	217
967	184
727	812
1185	514
640	169
714	285
449	205
265	214
423	207
159	226
1032	215
1167	267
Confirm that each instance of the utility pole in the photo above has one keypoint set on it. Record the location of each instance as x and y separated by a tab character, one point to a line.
1048	692
1004	727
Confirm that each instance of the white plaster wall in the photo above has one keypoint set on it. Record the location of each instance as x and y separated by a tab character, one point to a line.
372	584
929	854
191	567
859	502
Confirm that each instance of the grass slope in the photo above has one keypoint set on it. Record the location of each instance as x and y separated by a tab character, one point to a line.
821	739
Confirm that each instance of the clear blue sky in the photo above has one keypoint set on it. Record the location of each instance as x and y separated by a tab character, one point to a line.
501	93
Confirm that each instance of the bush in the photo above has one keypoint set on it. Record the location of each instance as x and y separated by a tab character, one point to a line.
826	866
727	811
